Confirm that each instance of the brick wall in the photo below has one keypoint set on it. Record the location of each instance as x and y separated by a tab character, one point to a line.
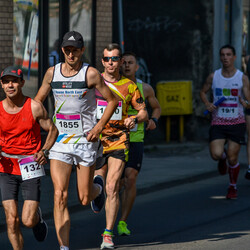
103	32
6	36
103	28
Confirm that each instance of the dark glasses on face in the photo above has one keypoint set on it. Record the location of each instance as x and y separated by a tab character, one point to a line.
113	58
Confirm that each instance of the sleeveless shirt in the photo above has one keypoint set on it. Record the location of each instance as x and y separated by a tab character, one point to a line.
75	105
138	135
19	135
229	112
115	135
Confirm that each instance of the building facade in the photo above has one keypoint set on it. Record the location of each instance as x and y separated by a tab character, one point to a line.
32	31
174	39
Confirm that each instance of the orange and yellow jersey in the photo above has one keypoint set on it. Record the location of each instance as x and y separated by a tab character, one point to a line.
115	135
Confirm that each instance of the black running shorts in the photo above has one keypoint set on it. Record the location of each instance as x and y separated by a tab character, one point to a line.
247	111
10	184
135	155
234	133
118	154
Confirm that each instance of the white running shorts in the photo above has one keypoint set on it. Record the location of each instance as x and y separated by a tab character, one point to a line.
84	154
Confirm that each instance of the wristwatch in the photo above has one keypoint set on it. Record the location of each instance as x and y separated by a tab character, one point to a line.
46	152
155	120
135	120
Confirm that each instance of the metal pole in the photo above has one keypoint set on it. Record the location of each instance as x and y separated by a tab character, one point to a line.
120	22
43	42
64	9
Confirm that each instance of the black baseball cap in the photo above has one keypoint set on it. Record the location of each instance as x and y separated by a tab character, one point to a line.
12	71
73	38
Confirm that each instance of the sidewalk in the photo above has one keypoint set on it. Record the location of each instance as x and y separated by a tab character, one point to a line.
164	166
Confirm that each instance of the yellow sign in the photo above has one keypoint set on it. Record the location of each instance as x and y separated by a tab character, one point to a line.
175	97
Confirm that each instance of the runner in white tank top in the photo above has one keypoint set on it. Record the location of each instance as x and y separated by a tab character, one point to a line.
74	85
228	121
230	111
75	106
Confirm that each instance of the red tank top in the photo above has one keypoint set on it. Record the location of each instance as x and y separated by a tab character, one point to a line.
19	135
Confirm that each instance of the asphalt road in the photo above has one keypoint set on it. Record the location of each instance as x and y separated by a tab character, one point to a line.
191	216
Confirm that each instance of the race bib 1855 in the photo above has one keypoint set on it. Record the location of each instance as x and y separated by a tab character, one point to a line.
69	123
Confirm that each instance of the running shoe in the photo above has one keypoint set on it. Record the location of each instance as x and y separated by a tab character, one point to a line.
222	166
122	228
247	175
231	193
98	203
107	242
40	230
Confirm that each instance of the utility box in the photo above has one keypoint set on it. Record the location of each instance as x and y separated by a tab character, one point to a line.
175	97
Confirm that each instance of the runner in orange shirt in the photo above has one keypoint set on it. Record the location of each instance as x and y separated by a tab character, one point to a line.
115	136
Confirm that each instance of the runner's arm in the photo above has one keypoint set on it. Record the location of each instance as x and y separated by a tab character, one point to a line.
154	104
41	116
206	87
138	104
246	92
94	79
46	87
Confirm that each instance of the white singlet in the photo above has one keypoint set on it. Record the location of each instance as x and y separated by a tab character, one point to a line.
229	112
75	116
75	106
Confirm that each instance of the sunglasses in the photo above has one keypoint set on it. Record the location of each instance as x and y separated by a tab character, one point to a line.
113	58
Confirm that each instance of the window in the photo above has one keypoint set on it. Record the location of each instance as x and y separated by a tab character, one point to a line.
25	42
81	21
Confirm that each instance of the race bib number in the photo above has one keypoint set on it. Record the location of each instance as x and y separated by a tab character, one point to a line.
30	168
69	124
228	112
101	106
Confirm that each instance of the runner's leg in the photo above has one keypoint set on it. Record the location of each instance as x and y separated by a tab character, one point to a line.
13	223
115	168
60	174
233	152
216	148
87	190
248	140
129	192
29	214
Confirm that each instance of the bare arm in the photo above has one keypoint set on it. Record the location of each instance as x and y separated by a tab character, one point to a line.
154	104
141	116
41	116
246	92
246	59
206	87
46	87
94	79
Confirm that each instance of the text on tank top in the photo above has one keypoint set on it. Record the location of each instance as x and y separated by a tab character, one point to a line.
75	105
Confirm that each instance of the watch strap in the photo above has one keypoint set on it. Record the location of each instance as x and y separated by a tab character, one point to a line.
155	120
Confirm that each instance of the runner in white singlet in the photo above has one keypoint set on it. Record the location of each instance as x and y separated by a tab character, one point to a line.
228	121
73	84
